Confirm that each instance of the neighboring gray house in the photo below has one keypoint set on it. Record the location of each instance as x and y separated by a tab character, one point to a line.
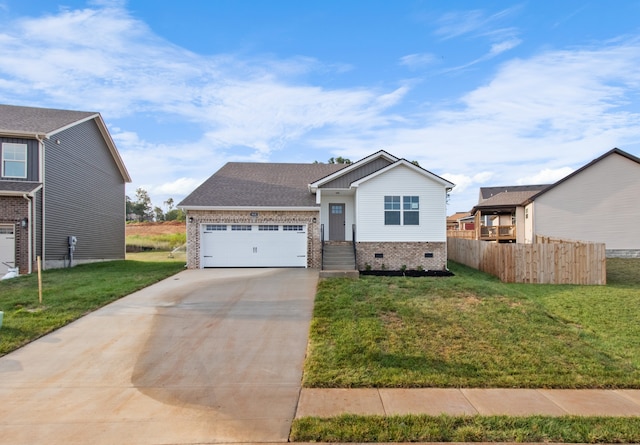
61	176
279	215
596	203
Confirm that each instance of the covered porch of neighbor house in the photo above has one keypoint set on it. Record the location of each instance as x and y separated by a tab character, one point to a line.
499	224
498	227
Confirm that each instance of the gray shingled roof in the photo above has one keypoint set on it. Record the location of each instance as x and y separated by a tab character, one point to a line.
29	120
250	184
488	192
507	199
18	186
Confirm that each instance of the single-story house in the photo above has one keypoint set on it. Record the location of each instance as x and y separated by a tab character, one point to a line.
596	203
390	210
62	189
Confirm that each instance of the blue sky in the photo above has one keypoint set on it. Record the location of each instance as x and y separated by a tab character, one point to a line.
481	93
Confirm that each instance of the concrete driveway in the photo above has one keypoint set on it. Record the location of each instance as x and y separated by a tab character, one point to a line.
206	356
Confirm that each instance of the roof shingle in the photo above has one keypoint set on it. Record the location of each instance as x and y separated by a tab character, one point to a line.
250	184
30	120
12	187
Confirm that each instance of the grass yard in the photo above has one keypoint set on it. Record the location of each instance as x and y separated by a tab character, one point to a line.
569	429
471	330
164	241
69	294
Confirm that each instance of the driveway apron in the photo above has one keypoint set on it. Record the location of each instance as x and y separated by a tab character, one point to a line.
206	356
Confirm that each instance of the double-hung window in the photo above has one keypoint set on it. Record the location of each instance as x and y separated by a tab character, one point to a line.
411	210
401	210
391	210
14	160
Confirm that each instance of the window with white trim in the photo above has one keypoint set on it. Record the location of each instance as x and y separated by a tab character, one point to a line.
268	228
407	214
241	228
391	210
292	228
411	210
14	160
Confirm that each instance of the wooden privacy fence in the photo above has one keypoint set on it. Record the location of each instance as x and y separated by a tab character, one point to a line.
554	263
466	234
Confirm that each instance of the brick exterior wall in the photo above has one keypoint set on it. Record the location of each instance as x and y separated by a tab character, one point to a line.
13	209
398	254
314	248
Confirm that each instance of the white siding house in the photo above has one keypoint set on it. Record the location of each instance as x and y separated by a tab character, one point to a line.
600	202
396	209
401	180
390	211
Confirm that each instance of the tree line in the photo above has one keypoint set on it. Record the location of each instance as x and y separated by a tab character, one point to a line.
141	209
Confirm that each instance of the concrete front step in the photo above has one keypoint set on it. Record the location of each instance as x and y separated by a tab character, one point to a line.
339	257
339	274
339	266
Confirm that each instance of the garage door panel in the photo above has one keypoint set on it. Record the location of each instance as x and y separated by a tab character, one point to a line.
7	247
258	245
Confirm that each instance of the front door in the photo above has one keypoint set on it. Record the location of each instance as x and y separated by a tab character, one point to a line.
7	248
336	222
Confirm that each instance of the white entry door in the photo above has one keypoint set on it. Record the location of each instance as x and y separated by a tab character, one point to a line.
7	247
253	245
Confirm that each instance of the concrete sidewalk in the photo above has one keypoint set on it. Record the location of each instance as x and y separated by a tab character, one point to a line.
436	401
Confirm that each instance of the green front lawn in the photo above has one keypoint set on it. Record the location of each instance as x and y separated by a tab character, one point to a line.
471	330
69	294
570	429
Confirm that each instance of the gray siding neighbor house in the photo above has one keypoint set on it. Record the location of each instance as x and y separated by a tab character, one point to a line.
61	176
381	212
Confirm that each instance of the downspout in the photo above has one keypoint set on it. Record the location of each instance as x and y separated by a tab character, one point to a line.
29	231
447	195
41	180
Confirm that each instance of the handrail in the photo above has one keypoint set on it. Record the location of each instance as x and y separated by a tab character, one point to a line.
498	232
322	246
353	241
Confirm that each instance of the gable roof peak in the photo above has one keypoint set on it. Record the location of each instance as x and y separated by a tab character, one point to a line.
613	151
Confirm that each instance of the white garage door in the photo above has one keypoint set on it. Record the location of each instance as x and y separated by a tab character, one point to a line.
253	245
7	248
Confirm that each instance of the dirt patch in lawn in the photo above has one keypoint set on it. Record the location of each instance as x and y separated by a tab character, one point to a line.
156	228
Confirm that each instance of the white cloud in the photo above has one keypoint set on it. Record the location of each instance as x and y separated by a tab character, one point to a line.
465	182
535	114
475	22
415	61
500	47
546	176
179	187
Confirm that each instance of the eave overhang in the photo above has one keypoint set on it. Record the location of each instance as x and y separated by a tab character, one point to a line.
251	208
